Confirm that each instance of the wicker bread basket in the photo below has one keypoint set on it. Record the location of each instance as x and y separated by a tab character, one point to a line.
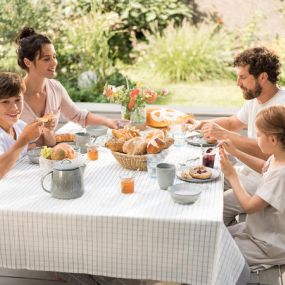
132	162
135	162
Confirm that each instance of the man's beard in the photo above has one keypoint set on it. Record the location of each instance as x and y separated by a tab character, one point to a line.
251	94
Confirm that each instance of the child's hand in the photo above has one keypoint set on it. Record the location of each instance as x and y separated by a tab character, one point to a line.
226	165
31	132
228	146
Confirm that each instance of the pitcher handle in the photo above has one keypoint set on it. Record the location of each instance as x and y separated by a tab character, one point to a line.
42	182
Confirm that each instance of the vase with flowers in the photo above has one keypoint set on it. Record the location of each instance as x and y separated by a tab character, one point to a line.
132	100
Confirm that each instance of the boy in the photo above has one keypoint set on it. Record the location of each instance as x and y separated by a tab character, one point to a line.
15	134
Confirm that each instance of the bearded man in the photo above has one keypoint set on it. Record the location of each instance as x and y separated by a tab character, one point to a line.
257	75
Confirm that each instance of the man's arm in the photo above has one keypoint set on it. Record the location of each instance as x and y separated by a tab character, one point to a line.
226	128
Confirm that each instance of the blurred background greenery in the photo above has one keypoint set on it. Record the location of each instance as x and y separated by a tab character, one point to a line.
169	44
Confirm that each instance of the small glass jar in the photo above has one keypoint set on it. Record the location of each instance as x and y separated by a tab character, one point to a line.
208	158
127	184
92	152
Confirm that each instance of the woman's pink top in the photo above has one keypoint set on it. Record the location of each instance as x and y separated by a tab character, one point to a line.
58	102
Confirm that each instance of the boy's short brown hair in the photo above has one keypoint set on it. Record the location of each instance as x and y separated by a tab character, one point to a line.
11	84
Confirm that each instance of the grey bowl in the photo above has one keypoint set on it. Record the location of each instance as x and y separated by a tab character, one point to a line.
97	131
185	193
34	154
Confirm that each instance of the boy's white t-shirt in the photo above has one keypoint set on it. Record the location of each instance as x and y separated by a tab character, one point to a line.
6	141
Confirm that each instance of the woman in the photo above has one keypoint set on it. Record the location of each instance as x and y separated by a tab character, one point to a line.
261	238
43	95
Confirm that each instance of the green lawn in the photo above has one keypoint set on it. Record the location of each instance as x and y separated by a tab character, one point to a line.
219	93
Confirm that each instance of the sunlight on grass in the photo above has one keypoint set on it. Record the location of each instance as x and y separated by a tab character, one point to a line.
219	93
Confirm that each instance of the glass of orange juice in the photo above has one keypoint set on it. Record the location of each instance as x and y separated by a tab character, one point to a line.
127	184
92	152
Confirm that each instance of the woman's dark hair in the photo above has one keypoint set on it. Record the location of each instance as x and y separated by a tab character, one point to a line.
260	59
11	85
29	45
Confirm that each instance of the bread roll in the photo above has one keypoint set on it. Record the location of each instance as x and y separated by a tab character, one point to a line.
135	146
46	118
65	138
126	133
115	144
155	145
155	133
168	142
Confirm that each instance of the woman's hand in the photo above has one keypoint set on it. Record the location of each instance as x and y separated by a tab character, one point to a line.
228	146
226	165
112	124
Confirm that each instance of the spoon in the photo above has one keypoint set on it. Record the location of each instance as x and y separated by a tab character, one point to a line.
188	160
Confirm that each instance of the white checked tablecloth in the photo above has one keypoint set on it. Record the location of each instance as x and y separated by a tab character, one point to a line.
144	235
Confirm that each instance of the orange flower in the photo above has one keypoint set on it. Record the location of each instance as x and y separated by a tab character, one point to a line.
109	91
150	96
133	95
135	92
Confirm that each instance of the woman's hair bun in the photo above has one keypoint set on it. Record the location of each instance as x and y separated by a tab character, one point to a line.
24	33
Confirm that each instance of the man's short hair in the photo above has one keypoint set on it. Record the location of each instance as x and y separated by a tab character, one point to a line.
11	85
260	59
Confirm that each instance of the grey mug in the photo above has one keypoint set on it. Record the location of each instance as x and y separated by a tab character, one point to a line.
82	140
165	173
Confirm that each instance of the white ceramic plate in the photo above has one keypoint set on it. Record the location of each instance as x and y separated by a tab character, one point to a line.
197	141
215	175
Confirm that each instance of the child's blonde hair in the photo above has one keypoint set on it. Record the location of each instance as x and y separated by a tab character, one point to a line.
271	121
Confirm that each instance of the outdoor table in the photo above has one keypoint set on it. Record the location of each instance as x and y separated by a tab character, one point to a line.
144	235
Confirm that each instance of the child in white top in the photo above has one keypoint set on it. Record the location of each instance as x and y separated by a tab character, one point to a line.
261	238
15	135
